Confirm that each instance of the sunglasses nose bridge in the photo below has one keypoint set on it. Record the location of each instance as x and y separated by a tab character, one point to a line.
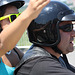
17	15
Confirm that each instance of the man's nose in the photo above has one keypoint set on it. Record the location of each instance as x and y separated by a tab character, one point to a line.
73	33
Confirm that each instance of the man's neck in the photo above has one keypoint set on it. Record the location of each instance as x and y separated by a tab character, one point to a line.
51	51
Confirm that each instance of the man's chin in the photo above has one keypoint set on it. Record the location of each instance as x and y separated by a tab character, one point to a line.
71	50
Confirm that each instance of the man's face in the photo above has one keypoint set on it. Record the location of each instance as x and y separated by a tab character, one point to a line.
67	38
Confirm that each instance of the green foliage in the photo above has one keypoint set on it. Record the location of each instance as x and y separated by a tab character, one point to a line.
24	41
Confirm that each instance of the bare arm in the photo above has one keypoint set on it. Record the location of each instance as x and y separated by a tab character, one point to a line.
12	34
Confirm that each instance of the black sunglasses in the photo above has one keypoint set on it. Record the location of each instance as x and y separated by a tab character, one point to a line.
66	28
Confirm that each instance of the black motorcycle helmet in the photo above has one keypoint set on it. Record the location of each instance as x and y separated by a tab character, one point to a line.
44	30
17	3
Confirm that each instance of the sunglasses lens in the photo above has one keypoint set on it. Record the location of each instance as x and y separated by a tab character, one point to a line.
13	17
67	28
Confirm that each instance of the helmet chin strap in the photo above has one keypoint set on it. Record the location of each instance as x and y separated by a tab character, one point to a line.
56	49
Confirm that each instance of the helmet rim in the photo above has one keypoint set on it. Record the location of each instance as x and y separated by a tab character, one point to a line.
17	3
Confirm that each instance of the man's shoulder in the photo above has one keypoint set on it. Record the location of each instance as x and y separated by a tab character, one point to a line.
43	66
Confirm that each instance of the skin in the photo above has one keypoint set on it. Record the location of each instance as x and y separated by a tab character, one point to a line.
9	59
19	25
67	38
66	43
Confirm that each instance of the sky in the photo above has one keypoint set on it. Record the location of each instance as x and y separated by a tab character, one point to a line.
28	0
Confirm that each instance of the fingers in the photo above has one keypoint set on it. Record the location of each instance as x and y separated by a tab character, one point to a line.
38	4
42	4
34	8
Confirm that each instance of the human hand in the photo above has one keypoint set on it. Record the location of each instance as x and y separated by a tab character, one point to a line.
34	8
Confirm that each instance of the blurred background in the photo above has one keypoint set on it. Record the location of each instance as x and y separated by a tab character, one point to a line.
24	43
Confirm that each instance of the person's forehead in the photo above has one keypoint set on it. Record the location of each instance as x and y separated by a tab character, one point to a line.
65	22
10	10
